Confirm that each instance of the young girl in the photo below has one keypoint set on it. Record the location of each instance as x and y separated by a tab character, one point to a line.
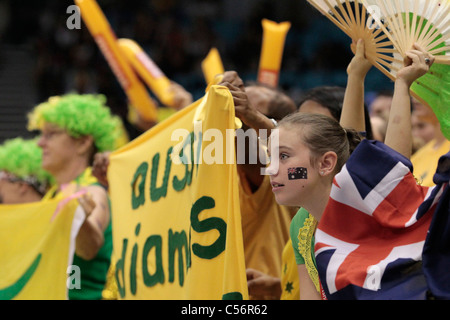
306	169
312	150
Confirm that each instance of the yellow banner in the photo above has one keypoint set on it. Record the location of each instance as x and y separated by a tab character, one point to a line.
175	207
37	243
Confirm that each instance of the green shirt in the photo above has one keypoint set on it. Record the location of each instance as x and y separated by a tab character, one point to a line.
302	229
93	272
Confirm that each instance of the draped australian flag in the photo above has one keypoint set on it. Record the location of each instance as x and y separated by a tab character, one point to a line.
383	236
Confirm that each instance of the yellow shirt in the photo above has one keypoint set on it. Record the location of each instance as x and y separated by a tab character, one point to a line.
265	227
290	289
425	161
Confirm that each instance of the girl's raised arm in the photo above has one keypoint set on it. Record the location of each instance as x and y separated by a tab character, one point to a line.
353	106
398	134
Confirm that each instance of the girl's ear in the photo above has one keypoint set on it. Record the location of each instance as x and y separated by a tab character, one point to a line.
327	163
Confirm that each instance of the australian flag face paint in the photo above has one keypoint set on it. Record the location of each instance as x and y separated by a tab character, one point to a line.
297	173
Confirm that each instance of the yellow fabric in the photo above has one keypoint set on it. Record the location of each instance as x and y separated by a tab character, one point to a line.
265	227
111	291
84	180
176	226
164	113
103	34
122	138
37	242
425	161
305	235
290	287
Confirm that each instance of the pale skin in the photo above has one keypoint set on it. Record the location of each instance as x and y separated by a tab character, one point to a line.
66	158
352	115
307	289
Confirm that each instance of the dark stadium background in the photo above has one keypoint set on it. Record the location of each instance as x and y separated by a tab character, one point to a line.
41	57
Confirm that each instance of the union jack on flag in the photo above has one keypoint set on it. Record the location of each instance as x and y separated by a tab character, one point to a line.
370	238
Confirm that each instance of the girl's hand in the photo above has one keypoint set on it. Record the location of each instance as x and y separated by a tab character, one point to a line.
416	63
359	65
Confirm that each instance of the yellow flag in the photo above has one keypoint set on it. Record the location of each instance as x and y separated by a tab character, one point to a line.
175	207
37	243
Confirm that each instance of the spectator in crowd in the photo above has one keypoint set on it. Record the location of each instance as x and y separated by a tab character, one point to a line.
73	128
433	144
22	177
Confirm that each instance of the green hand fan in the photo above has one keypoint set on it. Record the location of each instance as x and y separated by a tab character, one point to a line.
427	23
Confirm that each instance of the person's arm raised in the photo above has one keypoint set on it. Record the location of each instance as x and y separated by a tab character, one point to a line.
90	238
398	134
352	115
243	108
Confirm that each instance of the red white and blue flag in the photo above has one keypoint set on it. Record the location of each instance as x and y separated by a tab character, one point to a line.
370	239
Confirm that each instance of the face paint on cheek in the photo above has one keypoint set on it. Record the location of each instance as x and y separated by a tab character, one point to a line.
297	173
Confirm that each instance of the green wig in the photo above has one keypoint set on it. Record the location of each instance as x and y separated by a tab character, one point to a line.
81	115
23	159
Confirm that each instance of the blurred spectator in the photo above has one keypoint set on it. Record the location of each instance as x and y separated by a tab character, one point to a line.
425	125
432	143
381	105
177	35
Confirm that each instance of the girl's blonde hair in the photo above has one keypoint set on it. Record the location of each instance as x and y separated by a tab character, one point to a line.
321	134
